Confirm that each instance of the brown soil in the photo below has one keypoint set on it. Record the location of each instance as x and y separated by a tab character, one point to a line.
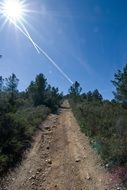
60	159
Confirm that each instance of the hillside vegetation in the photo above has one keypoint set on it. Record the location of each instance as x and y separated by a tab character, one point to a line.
104	121
20	115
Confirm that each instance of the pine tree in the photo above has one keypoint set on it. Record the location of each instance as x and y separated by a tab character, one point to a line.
120	83
11	87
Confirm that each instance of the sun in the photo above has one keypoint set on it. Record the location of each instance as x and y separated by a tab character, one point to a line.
13	10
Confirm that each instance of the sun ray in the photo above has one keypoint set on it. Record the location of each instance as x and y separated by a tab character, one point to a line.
4	23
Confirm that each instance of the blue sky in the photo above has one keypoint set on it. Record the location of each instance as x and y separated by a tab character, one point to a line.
87	39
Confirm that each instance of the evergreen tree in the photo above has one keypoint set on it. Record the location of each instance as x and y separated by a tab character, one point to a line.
97	96
40	85
37	89
75	89
89	96
11	87
120	83
1	83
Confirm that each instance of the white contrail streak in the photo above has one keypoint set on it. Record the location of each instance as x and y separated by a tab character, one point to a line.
53	62
46	55
20	29
26	31
40	50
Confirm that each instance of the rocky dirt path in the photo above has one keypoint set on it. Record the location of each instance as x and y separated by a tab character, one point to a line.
60	159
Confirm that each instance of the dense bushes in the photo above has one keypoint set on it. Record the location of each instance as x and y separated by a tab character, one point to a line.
16	130
20	115
42	93
106	124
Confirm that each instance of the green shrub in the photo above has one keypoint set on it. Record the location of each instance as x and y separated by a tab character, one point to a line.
3	163
21	113
106	124
16	130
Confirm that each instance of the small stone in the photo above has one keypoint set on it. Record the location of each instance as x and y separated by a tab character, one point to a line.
77	160
33	177
33	183
48	128
39	169
88	176
107	165
49	161
47	147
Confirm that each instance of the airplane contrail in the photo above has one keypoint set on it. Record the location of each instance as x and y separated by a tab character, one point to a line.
40	50
53	62
46	55
26	31
20	29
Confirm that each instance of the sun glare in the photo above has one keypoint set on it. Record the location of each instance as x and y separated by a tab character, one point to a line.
13	10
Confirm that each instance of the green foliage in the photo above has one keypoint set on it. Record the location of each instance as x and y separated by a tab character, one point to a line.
106	124
20	115
97	96
89	96
75	89
53	98
37	89
92	96
39	95
11	87
3	163
16	130
104	121
1	83
43	94
120	83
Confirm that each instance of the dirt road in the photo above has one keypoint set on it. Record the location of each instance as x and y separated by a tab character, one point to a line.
60	159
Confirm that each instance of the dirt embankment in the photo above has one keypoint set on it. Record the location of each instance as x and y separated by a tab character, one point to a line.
60	159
